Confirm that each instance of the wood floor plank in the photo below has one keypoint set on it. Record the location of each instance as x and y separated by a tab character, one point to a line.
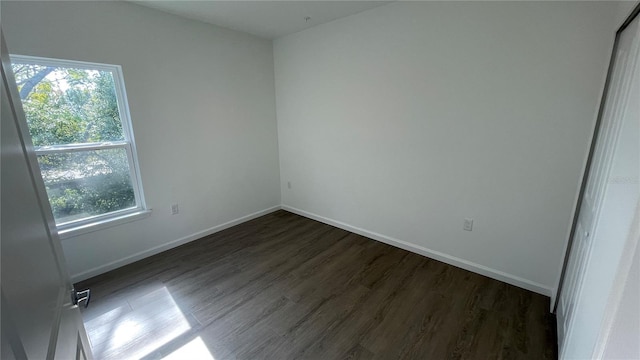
286	287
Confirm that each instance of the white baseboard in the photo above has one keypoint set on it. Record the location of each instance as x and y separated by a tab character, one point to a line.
171	244
451	260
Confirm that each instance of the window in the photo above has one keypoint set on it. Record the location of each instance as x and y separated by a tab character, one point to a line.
79	123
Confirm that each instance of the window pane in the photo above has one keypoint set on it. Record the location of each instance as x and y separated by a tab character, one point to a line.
87	183
65	105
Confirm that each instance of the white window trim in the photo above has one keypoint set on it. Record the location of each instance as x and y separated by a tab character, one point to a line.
96	225
93	223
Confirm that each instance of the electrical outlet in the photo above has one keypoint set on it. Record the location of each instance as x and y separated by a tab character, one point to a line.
174	209
468	224
288	184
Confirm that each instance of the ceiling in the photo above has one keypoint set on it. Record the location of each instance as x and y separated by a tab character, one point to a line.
266	19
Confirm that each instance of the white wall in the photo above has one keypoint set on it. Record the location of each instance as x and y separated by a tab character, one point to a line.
402	120
624	9
203	112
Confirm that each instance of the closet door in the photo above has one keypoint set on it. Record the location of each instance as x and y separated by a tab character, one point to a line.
604	217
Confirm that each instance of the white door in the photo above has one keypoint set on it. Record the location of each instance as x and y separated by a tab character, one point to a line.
39	320
596	248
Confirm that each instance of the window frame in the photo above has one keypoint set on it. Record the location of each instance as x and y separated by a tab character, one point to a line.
96	222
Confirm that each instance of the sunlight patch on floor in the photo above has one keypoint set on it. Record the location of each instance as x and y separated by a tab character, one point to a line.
193	350
139	328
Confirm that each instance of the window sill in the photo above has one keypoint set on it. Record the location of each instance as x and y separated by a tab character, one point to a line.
103	224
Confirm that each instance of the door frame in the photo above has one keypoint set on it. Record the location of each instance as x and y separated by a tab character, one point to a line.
64	302
596	131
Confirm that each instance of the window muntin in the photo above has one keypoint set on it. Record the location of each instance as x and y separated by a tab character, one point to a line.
79	123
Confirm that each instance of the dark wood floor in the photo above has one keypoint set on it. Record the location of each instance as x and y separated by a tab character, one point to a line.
286	287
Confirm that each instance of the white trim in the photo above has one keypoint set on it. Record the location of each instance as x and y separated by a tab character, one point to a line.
56	149
169	245
451	260
38	60
107	222
97	219
574	209
80	226
127	128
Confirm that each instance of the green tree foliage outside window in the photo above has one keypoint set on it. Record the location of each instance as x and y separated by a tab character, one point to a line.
69	106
